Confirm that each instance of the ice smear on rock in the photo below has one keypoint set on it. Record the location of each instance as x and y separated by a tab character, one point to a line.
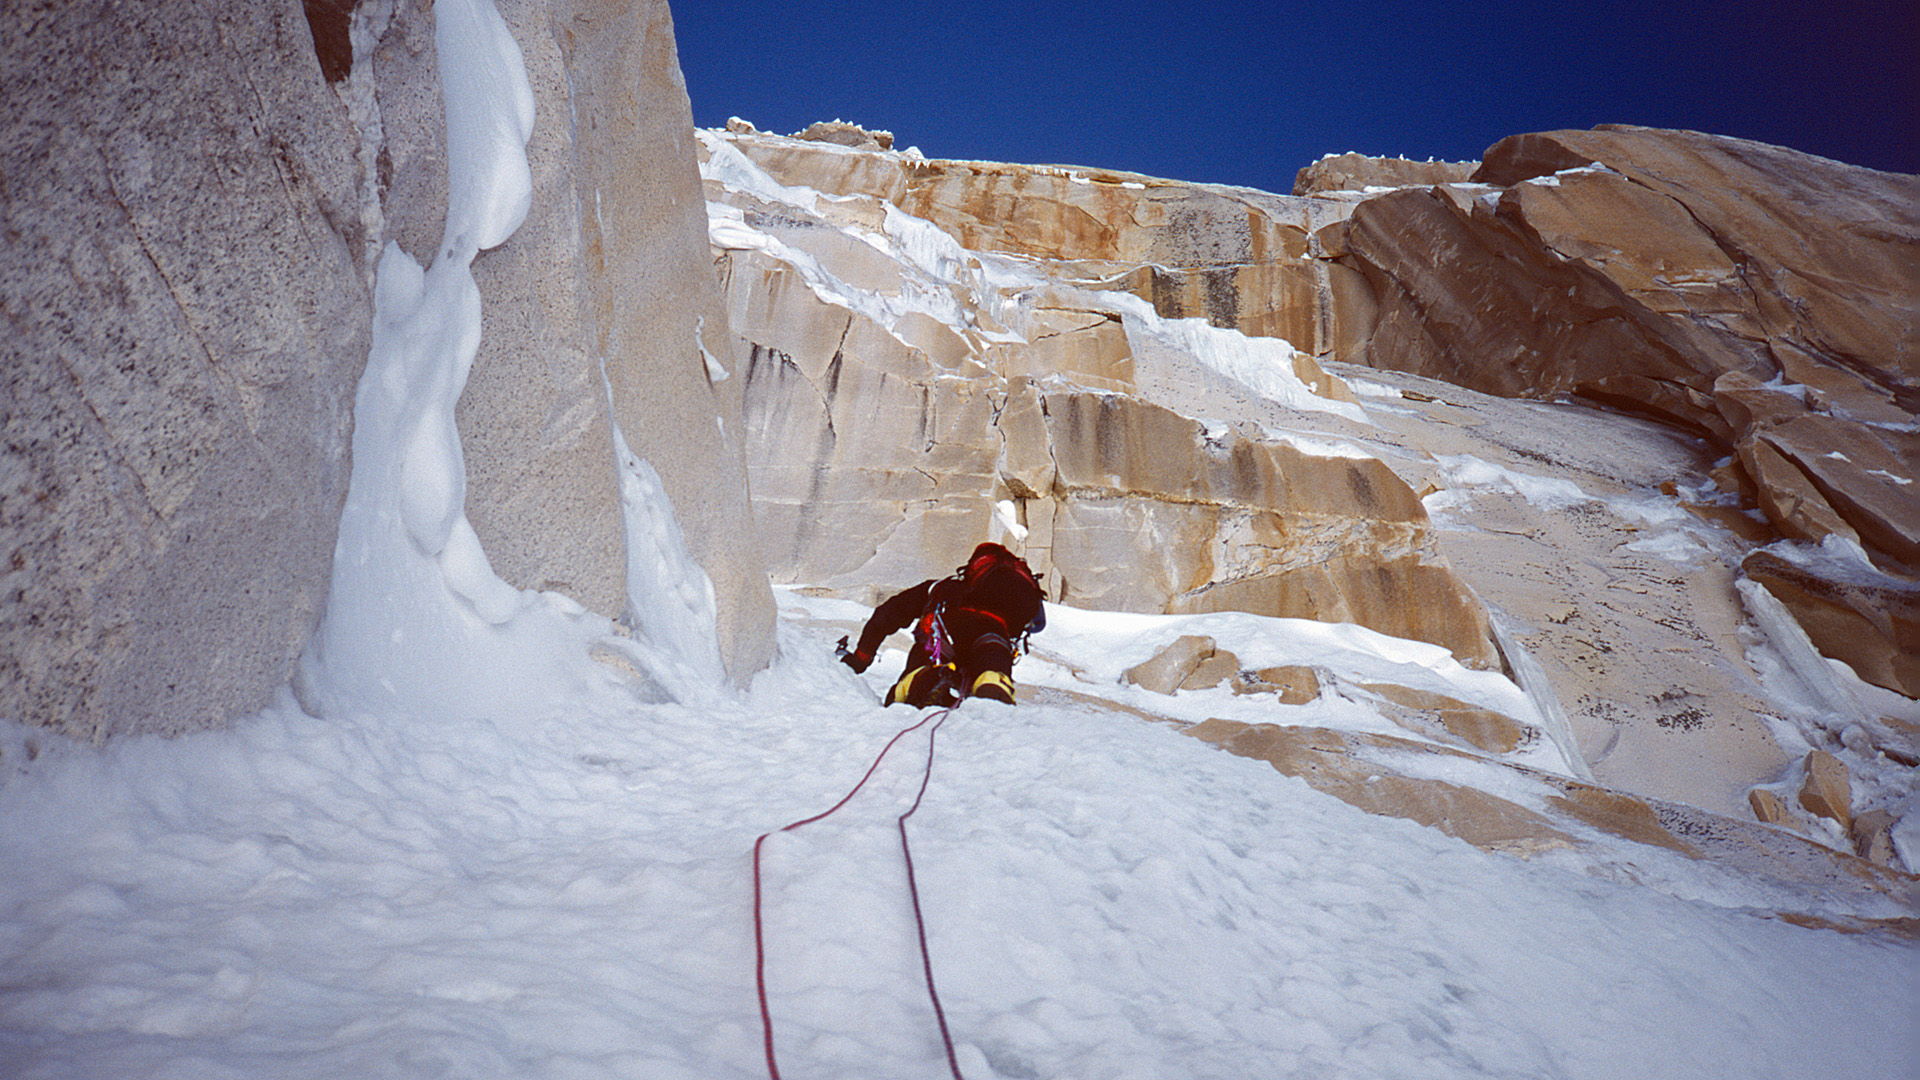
727	164
1262	364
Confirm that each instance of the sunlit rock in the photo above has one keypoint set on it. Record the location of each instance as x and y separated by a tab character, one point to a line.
904	400
1172	666
1827	789
1164	515
1358	172
1762	298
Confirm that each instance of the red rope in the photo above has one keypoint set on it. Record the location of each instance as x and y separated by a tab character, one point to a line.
920	924
759	932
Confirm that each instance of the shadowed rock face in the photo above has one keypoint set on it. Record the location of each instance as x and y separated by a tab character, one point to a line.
193	204
1464	297
186	316
1638	266
1792	258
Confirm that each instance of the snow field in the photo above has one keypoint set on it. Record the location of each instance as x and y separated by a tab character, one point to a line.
569	895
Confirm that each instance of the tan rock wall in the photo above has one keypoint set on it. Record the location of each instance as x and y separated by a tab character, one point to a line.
874	466
1357	172
1824	250
880	453
1762	298
1756	297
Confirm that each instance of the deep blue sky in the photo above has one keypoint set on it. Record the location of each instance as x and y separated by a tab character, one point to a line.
1248	92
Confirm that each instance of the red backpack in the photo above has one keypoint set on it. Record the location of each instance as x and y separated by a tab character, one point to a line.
990	557
992	572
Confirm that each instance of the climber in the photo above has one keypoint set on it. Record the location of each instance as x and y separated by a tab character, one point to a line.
967	630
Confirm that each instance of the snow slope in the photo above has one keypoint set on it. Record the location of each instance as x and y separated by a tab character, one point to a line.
385	893
492	855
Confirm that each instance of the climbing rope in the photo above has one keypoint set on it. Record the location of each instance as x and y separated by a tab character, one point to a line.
913	892
937	718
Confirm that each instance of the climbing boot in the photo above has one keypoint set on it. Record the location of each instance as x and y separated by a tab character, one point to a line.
994	686
933	684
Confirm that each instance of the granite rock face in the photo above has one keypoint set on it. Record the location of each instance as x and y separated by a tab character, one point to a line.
605	293
194	204
1757	298
1761	298
183	278
1358	172
905	400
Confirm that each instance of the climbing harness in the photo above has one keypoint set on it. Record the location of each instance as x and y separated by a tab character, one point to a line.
934	629
937	718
